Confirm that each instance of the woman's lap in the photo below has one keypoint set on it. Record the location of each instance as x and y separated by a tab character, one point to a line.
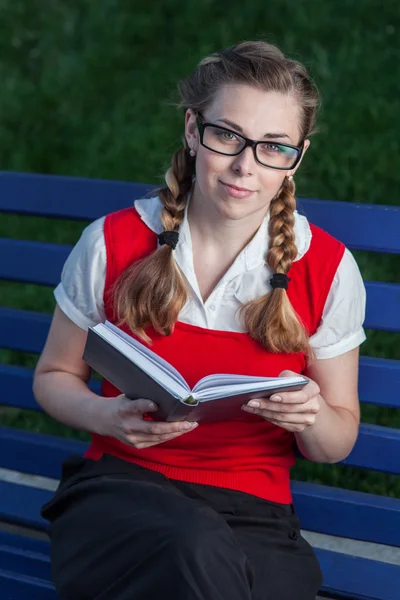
118	529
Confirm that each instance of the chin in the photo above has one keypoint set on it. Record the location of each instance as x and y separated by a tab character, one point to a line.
234	209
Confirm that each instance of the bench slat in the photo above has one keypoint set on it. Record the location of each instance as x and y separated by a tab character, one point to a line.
78	198
378	378
347	513
66	197
24	543
16	386
383	306
23	261
22	587
377	448
25	562
36	453
358	226
23	330
20	505
359	578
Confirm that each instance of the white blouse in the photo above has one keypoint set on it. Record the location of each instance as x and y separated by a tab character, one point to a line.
80	292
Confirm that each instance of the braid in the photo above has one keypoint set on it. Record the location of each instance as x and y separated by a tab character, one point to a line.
271	319
152	291
174	197
282	248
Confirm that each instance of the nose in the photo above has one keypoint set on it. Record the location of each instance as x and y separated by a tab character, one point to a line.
244	163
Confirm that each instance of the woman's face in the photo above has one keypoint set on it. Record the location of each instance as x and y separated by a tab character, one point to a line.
258	115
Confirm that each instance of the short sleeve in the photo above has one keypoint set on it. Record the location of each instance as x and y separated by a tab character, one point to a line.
80	292
341	327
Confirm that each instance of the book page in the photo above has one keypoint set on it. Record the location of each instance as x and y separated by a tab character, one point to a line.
220	379
232	385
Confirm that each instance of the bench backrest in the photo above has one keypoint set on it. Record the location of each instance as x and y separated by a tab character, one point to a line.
360	227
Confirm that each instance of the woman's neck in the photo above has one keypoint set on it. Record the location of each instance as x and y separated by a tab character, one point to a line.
216	241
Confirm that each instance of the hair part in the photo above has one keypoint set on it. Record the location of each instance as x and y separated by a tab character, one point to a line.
152	291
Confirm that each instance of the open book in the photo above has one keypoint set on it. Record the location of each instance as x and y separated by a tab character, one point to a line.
140	373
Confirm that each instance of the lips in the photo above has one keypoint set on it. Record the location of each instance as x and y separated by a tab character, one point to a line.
240	189
236	192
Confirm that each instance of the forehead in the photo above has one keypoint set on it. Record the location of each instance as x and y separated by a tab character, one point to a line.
256	111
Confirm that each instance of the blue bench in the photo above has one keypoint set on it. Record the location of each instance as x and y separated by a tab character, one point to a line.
365	565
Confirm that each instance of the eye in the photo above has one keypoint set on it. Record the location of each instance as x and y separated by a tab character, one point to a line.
227	136
273	147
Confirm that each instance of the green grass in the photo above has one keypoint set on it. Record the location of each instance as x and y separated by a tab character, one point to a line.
88	87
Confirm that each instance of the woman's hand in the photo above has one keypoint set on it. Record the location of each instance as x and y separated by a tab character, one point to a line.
294	411
125	422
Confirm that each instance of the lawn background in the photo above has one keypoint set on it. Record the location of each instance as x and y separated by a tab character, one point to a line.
87	89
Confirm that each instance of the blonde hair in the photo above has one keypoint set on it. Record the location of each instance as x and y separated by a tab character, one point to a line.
152	291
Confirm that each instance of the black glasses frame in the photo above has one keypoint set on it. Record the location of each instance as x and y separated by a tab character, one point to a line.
248	142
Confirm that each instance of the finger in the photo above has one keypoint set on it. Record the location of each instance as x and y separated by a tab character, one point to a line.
289	419
288	373
299	397
152	440
312	406
161	428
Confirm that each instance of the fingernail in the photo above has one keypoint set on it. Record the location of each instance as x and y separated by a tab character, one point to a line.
253	404
186	426
150	406
276	398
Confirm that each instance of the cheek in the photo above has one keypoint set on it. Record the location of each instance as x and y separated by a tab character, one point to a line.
210	165
270	183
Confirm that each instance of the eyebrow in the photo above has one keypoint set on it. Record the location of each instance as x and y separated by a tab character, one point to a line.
240	130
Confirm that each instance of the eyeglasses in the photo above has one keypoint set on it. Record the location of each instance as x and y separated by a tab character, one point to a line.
269	154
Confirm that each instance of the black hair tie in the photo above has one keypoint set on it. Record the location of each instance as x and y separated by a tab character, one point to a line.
279	280
170	238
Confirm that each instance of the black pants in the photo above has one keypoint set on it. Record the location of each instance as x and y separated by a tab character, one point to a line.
121	532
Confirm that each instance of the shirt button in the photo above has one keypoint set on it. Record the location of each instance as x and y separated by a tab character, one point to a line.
212	307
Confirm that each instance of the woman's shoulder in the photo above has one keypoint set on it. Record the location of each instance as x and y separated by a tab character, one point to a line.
314	243
144	212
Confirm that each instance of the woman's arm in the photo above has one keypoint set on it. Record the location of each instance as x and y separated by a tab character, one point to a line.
61	376
60	387
325	415
334	432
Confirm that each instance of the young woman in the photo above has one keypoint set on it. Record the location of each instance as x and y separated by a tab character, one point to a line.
218	273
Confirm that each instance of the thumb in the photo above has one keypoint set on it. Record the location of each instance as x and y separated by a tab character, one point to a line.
140	405
287	373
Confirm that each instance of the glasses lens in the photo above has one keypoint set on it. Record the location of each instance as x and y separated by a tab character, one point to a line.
277	155
223	141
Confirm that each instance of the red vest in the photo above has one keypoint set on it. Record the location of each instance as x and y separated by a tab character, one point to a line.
247	454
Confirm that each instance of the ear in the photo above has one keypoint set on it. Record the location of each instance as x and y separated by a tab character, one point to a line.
306	147
191	131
